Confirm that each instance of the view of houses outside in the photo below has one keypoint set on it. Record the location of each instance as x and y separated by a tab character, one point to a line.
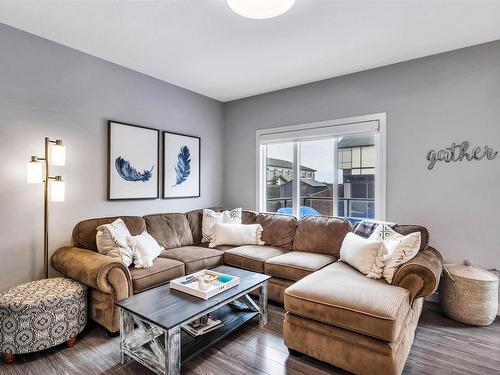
355	172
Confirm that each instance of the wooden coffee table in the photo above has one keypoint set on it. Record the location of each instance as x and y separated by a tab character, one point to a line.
150	326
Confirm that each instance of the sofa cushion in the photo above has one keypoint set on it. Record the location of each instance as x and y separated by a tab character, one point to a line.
340	295
195	258
163	270
84	233
195	219
294	265
170	230
251	257
278	229
321	234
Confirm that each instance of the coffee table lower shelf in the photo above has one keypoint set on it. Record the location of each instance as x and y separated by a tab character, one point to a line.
192	346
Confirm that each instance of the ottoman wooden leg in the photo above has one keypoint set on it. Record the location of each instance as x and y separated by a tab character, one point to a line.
71	342
8	358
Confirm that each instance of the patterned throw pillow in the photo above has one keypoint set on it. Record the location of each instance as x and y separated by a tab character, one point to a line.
365	228
398	249
382	231
210	218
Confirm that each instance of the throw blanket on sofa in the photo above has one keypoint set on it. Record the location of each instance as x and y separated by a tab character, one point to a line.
366	227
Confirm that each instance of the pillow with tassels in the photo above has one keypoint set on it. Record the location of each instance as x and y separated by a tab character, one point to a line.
236	235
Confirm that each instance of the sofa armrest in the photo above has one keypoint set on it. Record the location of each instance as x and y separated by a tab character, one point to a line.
94	270
421	274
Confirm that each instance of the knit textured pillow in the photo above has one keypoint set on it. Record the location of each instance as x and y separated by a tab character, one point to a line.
111	240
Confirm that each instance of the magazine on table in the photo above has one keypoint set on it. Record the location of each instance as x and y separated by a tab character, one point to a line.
202	325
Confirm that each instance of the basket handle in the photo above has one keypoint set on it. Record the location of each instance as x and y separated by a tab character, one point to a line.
448	273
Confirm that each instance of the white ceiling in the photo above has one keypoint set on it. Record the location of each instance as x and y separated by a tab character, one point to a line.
204	47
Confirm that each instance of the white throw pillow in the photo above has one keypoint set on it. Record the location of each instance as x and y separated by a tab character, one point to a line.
399	249
111	240
145	249
210	218
362	254
236	234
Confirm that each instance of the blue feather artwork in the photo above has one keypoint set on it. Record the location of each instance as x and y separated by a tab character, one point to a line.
129	173
183	167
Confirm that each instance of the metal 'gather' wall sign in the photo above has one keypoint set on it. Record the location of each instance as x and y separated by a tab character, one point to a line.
459	152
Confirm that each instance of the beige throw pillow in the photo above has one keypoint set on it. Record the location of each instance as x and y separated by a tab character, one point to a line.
362	254
145	249
111	240
210	218
237	235
398	249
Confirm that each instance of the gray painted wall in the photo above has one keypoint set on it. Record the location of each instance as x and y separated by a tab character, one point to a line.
430	103
50	90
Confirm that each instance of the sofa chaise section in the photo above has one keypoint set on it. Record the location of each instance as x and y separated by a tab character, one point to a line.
364	326
349	350
342	296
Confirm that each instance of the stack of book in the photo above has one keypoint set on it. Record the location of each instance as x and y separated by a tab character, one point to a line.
202	325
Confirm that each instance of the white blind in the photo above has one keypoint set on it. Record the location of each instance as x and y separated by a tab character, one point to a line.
321	130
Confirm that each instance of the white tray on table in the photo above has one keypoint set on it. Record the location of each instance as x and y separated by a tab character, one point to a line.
182	284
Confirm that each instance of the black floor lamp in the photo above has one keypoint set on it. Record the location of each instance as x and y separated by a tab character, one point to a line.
38	172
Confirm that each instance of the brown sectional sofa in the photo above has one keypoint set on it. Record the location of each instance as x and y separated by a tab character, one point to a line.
333	312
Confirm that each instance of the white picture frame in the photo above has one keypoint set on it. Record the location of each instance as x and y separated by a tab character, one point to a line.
133	161
181	166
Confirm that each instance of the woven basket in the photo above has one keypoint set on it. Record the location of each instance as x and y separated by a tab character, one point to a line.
469	294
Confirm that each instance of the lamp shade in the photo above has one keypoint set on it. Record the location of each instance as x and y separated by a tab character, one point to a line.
57	190
260	9
34	171
58	154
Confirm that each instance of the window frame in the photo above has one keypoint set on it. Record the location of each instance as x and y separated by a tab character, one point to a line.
376	123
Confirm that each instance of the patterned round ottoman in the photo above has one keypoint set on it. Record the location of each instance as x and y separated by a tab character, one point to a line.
41	314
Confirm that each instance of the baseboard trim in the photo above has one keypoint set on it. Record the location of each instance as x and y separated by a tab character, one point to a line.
434	297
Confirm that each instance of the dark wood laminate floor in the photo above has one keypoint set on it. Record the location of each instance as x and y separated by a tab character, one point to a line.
442	346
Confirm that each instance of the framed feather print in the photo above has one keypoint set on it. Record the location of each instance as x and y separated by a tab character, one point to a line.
181	165
133	161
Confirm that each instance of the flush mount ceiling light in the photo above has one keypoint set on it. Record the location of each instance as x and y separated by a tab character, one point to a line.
260	9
